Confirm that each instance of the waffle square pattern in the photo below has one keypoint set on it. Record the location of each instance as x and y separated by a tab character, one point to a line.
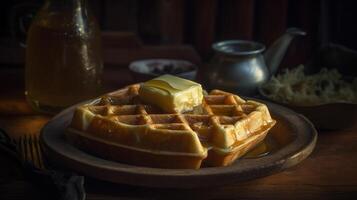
119	126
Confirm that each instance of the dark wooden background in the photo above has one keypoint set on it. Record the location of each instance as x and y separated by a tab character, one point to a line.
185	29
128	24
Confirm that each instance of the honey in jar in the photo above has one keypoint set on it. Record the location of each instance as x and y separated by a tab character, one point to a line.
63	56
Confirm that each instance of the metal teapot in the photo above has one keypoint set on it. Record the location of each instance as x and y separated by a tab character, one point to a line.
240	67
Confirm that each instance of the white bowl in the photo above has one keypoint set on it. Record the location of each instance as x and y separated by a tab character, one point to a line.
143	70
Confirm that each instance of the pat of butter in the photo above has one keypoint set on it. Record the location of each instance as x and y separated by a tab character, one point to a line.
171	93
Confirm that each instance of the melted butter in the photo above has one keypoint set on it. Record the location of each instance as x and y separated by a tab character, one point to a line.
172	94
171	84
162	85
266	147
261	150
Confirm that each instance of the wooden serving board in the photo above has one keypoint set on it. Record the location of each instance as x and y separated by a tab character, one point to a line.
295	135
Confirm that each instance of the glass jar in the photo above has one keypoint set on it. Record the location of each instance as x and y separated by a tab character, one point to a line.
63	56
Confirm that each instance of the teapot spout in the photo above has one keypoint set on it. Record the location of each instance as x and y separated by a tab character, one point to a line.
274	55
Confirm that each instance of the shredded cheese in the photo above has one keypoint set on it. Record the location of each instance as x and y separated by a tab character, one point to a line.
327	86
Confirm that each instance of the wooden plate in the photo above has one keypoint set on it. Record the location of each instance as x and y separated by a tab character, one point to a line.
294	138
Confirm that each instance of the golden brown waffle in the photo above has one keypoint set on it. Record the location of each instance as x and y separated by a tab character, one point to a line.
119	126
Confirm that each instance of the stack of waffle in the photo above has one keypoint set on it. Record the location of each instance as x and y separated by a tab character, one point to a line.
120	126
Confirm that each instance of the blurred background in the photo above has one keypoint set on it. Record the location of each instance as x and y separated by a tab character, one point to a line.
136	29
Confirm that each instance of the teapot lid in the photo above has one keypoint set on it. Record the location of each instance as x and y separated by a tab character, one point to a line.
238	47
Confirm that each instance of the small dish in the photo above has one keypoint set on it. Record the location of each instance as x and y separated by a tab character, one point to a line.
144	70
327	116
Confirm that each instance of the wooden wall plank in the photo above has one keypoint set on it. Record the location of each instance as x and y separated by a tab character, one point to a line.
97	7
303	14
271	20
120	15
148	21
205	24
172	21
238	19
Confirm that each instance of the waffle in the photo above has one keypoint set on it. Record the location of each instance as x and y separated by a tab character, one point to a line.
119	126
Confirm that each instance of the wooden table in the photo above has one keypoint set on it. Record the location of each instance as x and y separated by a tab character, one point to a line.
329	173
